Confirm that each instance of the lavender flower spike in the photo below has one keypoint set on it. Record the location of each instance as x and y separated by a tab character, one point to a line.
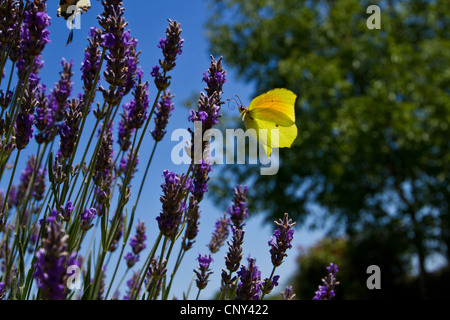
173	205
203	271
164	108
233	257
288	293
326	291
52	260
201	172
249	287
192	217
281	240
220	234
2	290
137	244
171	46
86	218
34	34
238	211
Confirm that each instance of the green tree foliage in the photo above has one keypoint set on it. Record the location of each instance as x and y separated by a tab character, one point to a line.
373	110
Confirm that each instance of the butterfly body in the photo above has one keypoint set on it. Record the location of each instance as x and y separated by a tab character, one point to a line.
272	118
69	9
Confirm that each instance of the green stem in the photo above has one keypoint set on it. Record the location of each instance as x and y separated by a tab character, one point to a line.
16	235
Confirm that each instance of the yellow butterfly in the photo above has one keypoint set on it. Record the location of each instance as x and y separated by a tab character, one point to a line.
272	112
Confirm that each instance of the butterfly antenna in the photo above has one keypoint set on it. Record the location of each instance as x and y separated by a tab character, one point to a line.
230	106
240	102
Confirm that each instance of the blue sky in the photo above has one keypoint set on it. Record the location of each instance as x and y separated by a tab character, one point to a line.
147	22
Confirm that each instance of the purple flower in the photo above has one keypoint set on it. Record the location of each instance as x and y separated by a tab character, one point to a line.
238	211
39	184
66	211
249	287
137	242
70	128
171	48
62	90
2	290
134	115
37	189
288	293
208	112
164	108
108	41
203	272
173	205
220	234
10	13
24	130
156	273
268	285
326	291
209	104
5	99
131	259
52	261
171	45
86	218
44	117
104	167
281	240
192	217
215	78
201	172
333	268
155	71
233	257
122	58
34	33
137	109
132	285
90	65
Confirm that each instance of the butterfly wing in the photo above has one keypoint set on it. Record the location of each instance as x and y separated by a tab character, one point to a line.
277	105
84	5
271	135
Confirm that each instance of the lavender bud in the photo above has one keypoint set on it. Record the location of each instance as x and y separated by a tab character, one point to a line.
69	130
201	172
220	234
52	260
63	89
66	211
137	242
132	285
249	287
171	46
238	211
203	272
326	291
192	217
164	108
5	99
90	64
86	219
156	273
281	240
288	293
173	205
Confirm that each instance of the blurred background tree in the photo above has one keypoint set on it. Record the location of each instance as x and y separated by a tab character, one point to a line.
373	117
